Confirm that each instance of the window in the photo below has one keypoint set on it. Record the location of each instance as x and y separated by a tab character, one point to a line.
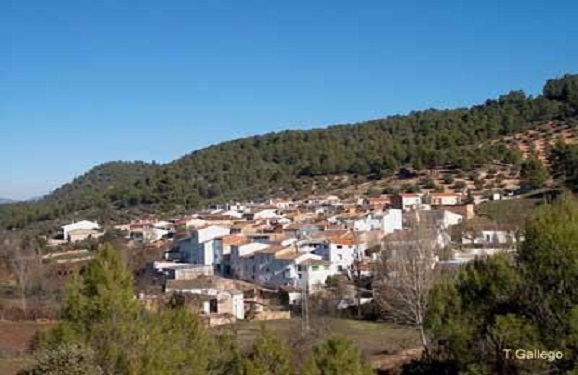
339	246
340	268
488	238
314	268
213	306
340	257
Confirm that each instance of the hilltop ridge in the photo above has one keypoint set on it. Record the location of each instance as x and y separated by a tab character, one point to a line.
288	162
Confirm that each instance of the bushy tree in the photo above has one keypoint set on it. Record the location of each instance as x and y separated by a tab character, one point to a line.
65	360
503	303
564	164
533	173
268	356
337	356
549	264
103	314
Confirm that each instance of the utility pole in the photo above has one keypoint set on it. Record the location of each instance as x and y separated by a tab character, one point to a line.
304	305
358	271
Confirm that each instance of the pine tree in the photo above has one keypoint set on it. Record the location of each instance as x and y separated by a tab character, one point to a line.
268	356
337	356
533	173
103	314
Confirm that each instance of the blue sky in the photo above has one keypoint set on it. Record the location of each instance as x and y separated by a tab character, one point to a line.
84	82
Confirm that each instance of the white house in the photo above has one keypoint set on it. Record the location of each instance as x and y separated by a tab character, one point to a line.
488	242
388	222
198	248
282	269
440	219
340	252
479	237
314	273
444	199
215	301
272	266
181	271
406	202
84	225
240	267
148	235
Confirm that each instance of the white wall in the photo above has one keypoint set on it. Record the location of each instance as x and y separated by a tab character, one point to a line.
339	255
84	224
238	305
451	218
392	221
314	279
211	232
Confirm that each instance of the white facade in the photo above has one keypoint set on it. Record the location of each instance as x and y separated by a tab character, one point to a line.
241	265
270	268
148	235
199	247
410	202
84	224
238	304
388	222
285	271
314	274
450	218
444	199
341	256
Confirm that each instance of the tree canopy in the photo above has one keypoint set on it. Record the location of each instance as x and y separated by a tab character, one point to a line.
106	330
503	304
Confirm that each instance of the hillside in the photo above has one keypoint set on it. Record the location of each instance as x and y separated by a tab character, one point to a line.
288	162
6	201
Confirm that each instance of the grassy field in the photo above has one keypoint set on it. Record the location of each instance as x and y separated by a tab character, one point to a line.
375	339
512	211
372	338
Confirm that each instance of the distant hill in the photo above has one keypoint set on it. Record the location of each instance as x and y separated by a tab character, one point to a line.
289	162
6	201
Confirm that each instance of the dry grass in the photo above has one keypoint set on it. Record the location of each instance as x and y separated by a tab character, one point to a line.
16	337
15	340
11	366
513	211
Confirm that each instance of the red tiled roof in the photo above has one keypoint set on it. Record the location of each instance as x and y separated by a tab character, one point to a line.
342	241
235	239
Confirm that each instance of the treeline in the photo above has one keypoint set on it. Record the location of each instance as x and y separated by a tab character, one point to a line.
105	330
279	162
511	314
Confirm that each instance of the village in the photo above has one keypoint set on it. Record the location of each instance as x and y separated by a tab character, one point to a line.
264	260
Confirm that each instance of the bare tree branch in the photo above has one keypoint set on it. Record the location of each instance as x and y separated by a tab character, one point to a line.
406	273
